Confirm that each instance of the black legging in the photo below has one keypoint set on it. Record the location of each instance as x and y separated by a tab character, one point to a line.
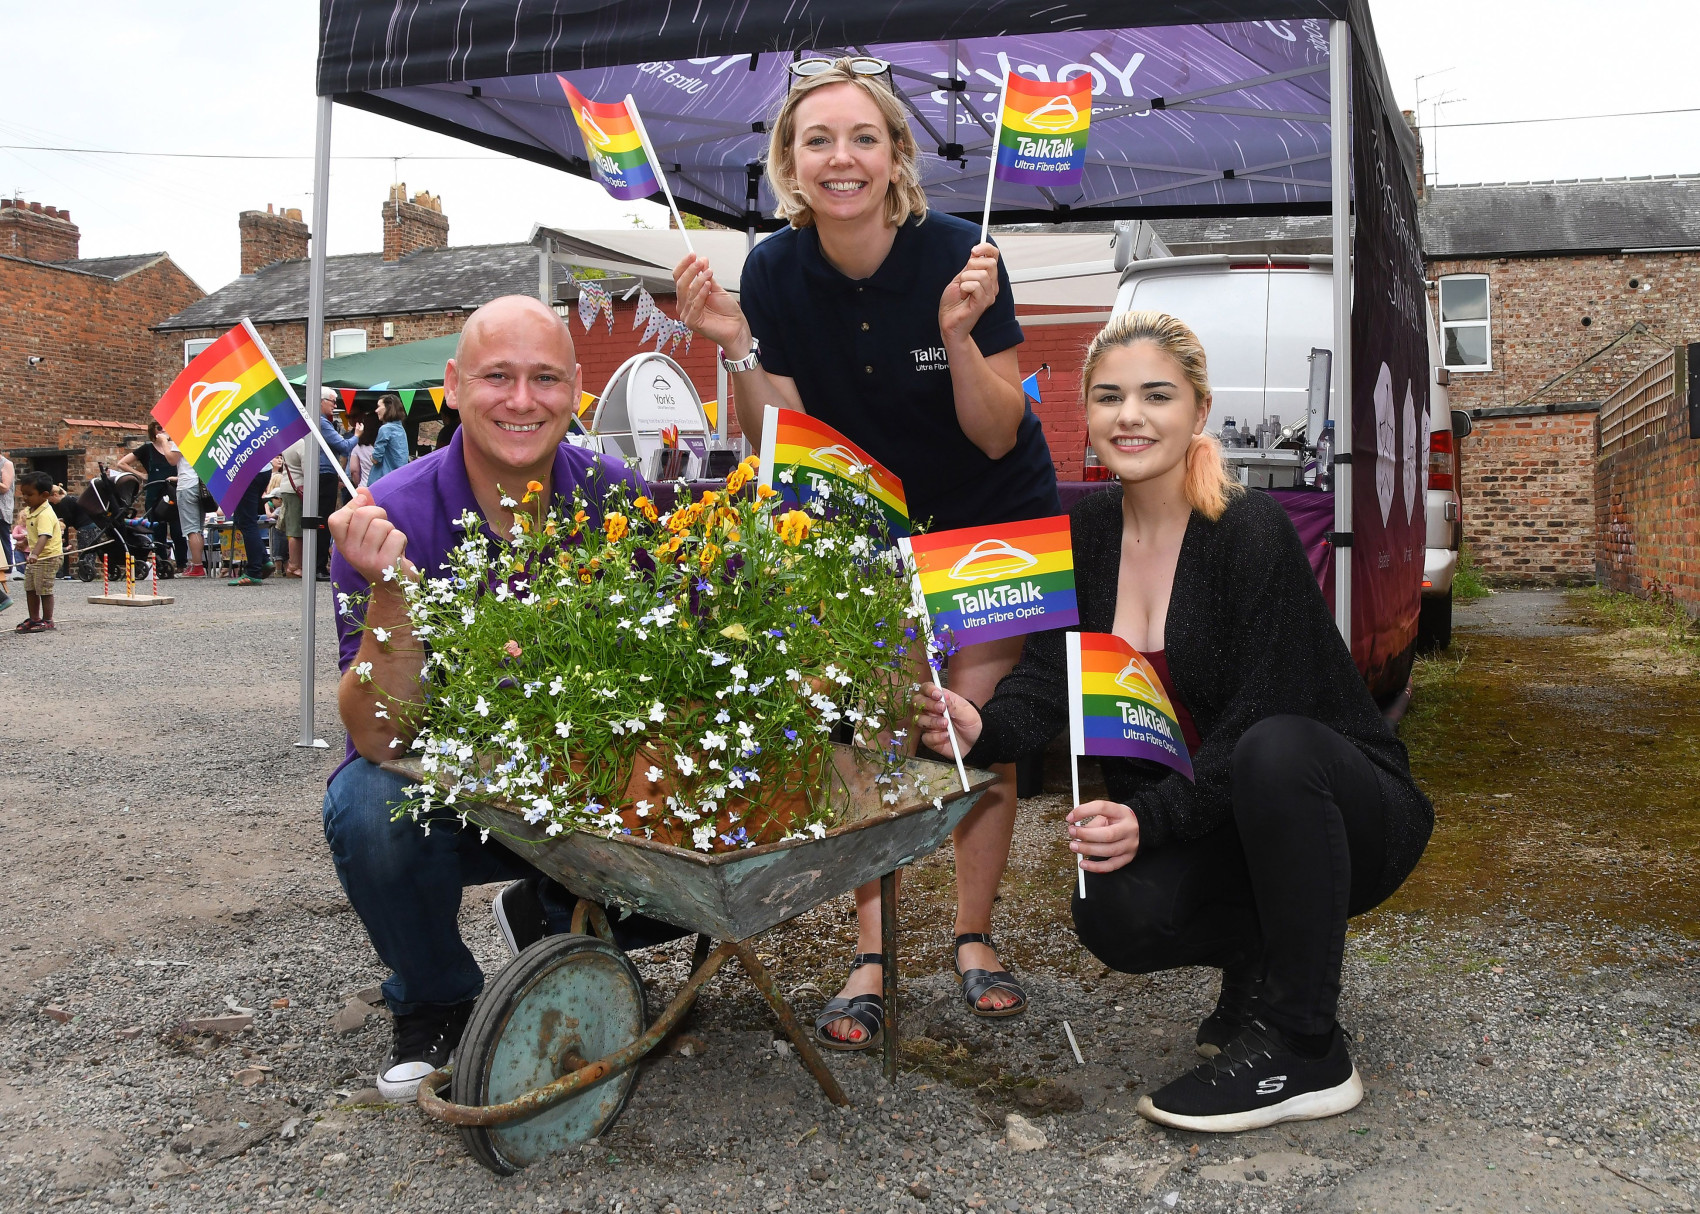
1268	893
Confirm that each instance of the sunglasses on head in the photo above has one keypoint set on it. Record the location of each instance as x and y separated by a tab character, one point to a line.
856	65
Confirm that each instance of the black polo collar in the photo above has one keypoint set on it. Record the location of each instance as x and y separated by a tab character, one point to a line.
896	274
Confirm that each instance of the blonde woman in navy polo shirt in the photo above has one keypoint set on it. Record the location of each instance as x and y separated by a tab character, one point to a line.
898	329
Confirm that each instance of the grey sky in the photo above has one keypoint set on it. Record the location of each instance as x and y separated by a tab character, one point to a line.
216	77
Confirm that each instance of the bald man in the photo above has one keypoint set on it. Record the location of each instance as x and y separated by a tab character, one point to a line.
514	383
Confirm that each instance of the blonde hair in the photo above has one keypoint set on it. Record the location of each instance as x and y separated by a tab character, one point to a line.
903	197
1208	482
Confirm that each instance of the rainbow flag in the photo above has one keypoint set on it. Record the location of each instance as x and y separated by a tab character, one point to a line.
1042	130
230	412
982	583
802	457
613	145
1117	705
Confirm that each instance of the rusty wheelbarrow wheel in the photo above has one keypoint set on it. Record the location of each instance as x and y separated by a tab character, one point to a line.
564	1002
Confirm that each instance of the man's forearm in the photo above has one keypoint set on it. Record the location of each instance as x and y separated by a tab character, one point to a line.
381	691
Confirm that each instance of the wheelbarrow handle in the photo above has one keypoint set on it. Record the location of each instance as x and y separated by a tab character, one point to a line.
551	1094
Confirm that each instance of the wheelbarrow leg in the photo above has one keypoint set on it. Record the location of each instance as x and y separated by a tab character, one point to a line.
788	1021
888	967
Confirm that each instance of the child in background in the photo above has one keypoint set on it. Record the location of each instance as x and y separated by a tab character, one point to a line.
44	534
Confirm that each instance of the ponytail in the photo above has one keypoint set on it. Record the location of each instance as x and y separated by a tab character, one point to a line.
1208	483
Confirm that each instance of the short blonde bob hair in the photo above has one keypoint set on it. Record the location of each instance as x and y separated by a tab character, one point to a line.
903	198
1209	485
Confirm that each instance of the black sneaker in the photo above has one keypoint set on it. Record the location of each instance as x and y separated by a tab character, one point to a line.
424	1040
1236	1008
520	917
1257	1080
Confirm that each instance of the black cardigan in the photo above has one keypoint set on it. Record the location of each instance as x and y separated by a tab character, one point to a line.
1247	636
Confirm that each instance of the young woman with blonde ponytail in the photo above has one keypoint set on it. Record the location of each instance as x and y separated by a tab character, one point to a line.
1303	810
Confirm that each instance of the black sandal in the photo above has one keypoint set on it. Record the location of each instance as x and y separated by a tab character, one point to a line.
975	983
868	1011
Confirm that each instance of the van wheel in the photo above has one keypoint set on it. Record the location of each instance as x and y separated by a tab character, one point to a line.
1434	623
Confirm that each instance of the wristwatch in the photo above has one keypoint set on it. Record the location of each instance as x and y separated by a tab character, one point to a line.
749	362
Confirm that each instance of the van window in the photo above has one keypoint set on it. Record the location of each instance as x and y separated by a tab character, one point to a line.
1464	323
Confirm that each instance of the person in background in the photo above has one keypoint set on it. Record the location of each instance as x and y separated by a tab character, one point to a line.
295	462
276	485
159	462
360	458
329	482
8	484
72	514
390	450
247	520
43	533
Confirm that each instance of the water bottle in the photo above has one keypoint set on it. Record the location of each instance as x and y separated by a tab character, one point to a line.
1325	457
1230	436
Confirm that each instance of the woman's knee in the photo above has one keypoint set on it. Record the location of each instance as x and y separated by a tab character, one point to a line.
1274	749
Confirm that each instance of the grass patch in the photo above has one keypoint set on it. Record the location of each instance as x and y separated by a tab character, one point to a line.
1660	611
1467	584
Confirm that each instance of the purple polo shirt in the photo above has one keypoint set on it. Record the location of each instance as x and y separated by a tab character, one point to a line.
425	500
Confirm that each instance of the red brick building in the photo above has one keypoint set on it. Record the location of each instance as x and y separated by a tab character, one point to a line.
1551	296
76	355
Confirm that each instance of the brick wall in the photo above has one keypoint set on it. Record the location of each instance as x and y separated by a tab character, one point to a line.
1647	511
1527	485
413	224
93	337
1537	305
1060	410
268	236
36	232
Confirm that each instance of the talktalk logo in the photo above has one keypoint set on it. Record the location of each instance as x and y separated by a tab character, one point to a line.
991	560
210	404
838	458
1057	114
1133	681
597	135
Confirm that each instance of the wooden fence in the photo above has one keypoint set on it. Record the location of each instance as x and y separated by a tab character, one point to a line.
1657	393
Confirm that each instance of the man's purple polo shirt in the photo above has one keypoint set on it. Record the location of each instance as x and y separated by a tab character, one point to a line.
425	501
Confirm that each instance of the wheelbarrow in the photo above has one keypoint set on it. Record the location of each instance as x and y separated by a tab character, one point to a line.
550	1053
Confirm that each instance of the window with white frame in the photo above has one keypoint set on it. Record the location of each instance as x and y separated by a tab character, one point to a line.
194	346
348	341
1464	323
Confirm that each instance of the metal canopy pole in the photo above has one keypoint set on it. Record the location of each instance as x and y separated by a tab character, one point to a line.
315	382
1340	156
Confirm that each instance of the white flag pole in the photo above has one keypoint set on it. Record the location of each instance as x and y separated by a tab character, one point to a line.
655	161
312	422
992	168
920	602
1076	736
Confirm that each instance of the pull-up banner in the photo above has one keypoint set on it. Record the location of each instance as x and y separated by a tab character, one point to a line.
1390	399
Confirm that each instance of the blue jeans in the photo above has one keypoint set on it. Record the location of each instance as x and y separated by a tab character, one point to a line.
405	885
247	520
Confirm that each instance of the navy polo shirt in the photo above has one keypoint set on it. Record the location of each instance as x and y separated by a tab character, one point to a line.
868	360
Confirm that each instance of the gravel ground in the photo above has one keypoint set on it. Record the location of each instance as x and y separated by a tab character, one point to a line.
173	867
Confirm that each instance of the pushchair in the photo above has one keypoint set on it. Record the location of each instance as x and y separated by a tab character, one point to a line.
111	534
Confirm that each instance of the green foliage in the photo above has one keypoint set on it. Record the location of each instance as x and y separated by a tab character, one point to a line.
1659	609
677	676
1467	584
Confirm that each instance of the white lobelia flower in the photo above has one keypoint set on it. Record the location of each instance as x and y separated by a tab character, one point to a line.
508	502
381	635
686	765
723	717
654	775
702	838
482	708
643	808
658	711
713	741
563	729
556	687
363	671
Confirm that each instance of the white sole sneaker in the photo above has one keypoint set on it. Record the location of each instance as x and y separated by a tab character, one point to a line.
1307	1106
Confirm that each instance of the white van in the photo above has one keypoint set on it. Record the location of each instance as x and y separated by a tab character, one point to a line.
1260	316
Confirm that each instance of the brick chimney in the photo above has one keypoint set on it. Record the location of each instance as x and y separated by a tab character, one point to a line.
413	224
30	230
1417	134
271	235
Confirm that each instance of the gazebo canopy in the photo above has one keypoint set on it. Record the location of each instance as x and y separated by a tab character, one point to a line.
1200	106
